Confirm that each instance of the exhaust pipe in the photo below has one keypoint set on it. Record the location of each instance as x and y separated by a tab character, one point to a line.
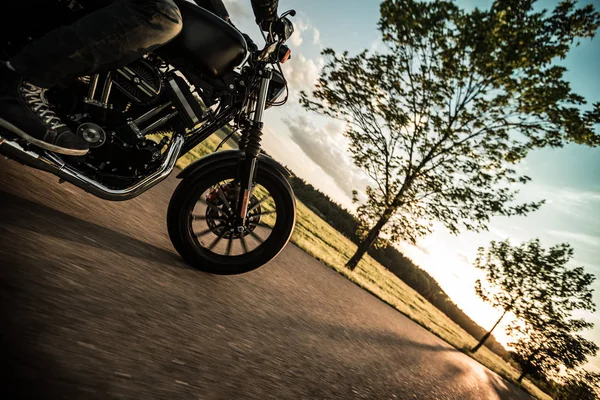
50	162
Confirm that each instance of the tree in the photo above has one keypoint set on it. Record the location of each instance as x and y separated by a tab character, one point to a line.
580	385
541	349
438	119
532	283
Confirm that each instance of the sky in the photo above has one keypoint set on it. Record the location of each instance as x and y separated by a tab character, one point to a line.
315	149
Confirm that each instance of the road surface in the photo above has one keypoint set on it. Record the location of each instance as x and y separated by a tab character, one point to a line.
96	304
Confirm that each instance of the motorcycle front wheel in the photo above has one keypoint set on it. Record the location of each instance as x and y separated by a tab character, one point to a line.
199	220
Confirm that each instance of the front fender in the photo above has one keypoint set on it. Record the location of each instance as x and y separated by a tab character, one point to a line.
218	157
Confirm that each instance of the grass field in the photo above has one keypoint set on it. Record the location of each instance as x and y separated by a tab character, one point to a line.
320	240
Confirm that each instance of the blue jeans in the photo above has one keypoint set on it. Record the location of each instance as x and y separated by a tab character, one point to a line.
114	34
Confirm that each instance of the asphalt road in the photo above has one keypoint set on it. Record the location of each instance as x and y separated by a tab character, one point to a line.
96	304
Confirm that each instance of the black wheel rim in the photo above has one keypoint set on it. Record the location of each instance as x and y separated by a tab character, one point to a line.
212	220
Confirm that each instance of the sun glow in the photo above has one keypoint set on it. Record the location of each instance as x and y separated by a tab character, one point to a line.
449	261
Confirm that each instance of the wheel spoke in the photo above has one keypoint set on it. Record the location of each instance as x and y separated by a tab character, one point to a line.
207	231
229	244
255	236
213	207
258	204
261	224
244	245
217	240
196	217
224	200
217	211
263	213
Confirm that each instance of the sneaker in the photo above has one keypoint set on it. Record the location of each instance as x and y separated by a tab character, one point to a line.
25	111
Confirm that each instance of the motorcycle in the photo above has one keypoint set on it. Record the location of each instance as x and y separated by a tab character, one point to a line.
233	210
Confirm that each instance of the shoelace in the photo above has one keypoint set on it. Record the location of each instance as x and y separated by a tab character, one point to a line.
35	98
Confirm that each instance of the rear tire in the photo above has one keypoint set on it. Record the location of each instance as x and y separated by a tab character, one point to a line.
189	193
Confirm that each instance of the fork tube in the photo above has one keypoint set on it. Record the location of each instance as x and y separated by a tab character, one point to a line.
248	165
246	189
262	99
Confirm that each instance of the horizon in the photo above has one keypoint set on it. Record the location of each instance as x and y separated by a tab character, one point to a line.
313	147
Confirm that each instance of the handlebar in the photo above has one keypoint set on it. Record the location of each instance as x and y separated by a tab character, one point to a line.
288	12
280	30
282	27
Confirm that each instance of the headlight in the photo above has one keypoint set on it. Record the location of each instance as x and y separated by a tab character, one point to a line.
276	89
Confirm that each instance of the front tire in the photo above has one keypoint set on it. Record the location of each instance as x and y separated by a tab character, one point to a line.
199	245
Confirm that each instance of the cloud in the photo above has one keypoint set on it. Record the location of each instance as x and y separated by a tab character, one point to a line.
464	258
579	197
301	72
573	197
500	233
424	249
326	147
300	26
577	237
376	46
316	36
578	204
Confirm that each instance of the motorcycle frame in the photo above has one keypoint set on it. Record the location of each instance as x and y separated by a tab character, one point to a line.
180	144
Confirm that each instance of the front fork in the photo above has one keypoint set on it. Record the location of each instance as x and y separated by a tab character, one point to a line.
247	170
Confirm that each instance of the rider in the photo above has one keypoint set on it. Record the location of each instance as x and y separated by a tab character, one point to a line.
104	39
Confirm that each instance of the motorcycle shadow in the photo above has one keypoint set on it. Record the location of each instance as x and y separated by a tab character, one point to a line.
18	214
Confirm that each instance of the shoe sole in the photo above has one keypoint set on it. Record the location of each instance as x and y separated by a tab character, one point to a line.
39	143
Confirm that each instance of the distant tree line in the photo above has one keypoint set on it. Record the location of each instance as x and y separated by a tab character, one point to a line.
392	259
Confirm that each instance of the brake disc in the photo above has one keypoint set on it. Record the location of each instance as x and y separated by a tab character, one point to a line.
218	217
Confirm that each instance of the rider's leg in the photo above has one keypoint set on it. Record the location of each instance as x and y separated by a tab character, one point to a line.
107	38
104	39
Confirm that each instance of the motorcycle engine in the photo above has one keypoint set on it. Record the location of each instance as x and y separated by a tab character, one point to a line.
140	82
120	151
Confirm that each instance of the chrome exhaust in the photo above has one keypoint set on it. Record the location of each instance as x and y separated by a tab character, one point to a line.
52	163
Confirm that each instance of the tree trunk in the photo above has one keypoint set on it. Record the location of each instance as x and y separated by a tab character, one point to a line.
373	234
489	333
364	246
527	365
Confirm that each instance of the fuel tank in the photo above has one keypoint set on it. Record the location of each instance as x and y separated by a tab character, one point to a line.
207	42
